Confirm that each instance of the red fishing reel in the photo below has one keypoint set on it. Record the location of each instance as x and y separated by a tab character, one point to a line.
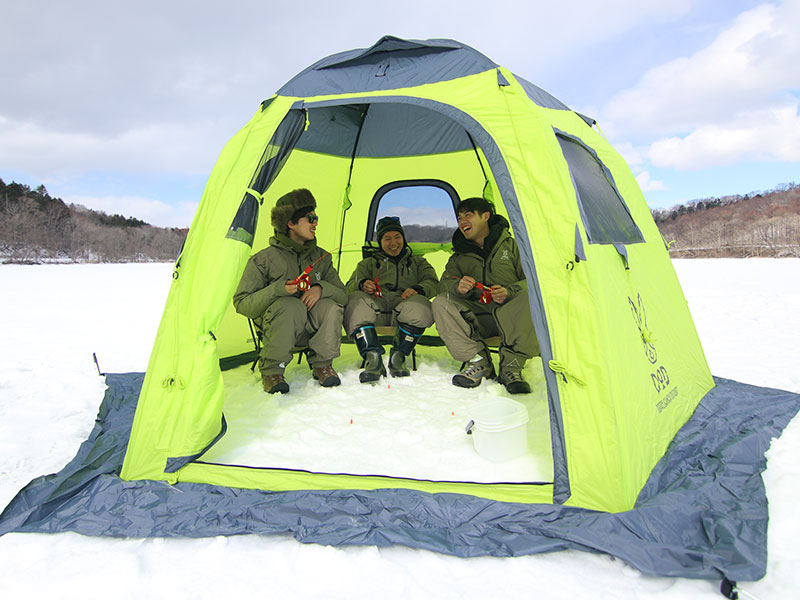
303	281
486	293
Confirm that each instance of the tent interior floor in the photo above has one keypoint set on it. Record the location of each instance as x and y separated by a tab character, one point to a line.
412	427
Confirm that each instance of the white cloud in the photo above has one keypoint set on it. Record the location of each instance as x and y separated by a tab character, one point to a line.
731	101
159	147
748	66
768	135
647	184
149	210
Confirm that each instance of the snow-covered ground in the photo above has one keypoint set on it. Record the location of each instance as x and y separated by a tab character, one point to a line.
52	318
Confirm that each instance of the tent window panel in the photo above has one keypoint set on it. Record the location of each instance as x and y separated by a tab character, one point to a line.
605	216
426	210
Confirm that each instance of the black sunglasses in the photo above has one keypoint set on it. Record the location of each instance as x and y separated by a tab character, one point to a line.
383	220
312	218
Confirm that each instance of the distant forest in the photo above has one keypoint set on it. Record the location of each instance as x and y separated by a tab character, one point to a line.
757	224
36	227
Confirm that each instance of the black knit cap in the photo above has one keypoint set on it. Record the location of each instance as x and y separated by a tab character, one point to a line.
387	224
291	207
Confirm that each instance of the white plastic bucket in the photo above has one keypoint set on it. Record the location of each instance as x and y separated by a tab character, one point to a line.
498	429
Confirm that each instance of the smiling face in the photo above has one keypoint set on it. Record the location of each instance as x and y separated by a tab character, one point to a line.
474	225
392	243
303	230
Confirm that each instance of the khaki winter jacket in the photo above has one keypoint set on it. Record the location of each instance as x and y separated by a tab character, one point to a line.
396	274
497	263
268	270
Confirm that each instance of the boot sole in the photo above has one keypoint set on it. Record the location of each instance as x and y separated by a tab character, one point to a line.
466	382
371	376
281	388
330	382
518	387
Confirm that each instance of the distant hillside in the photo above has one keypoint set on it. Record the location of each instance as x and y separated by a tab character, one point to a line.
757	224
35	227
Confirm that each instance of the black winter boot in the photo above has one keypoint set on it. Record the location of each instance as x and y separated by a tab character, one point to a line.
366	340
405	338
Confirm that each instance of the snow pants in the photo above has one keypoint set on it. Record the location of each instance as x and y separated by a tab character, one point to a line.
463	325
287	323
363	309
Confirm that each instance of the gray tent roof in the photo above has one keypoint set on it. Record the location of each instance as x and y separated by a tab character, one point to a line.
393	63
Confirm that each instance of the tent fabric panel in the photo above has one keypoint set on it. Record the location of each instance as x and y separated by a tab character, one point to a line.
640	419
408	130
685	522
593	377
388	130
386	44
181	408
539	96
284	480
332	129
387	67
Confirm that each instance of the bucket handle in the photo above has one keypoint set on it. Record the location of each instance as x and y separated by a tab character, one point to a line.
469	427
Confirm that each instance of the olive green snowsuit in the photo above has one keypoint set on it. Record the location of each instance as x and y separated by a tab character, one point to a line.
283	318
463	322
395	275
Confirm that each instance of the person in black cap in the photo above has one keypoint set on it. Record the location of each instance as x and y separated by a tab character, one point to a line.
391	287
291	313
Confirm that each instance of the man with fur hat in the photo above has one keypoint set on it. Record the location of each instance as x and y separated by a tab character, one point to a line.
485	253
391	287
291	314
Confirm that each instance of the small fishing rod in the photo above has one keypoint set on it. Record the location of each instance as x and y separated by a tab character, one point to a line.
486	291
303	281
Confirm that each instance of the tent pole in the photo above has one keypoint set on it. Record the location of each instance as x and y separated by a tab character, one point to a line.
347	187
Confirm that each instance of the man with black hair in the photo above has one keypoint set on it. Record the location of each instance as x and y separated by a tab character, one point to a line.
485	256
391	287
288	311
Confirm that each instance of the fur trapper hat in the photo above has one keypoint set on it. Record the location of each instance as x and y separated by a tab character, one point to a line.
291	207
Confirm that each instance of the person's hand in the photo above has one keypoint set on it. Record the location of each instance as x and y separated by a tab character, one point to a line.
465	284
499	293
368	286
408	292
311	295
291	288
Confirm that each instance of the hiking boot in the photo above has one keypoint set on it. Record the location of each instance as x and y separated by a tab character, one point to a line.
397	367
474	371
514	382
326	376
274	383
373	367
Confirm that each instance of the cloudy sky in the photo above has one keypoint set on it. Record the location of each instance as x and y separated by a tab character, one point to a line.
124	106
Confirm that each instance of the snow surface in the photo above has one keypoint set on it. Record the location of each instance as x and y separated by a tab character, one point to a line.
53	318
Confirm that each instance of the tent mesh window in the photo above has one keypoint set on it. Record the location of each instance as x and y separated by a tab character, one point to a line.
605	216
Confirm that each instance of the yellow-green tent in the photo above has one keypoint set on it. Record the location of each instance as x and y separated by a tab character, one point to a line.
623	364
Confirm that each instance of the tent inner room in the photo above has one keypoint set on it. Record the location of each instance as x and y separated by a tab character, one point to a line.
363	162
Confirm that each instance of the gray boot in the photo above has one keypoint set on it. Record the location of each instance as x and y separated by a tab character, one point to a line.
366	340
475	370
405	338
511	366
